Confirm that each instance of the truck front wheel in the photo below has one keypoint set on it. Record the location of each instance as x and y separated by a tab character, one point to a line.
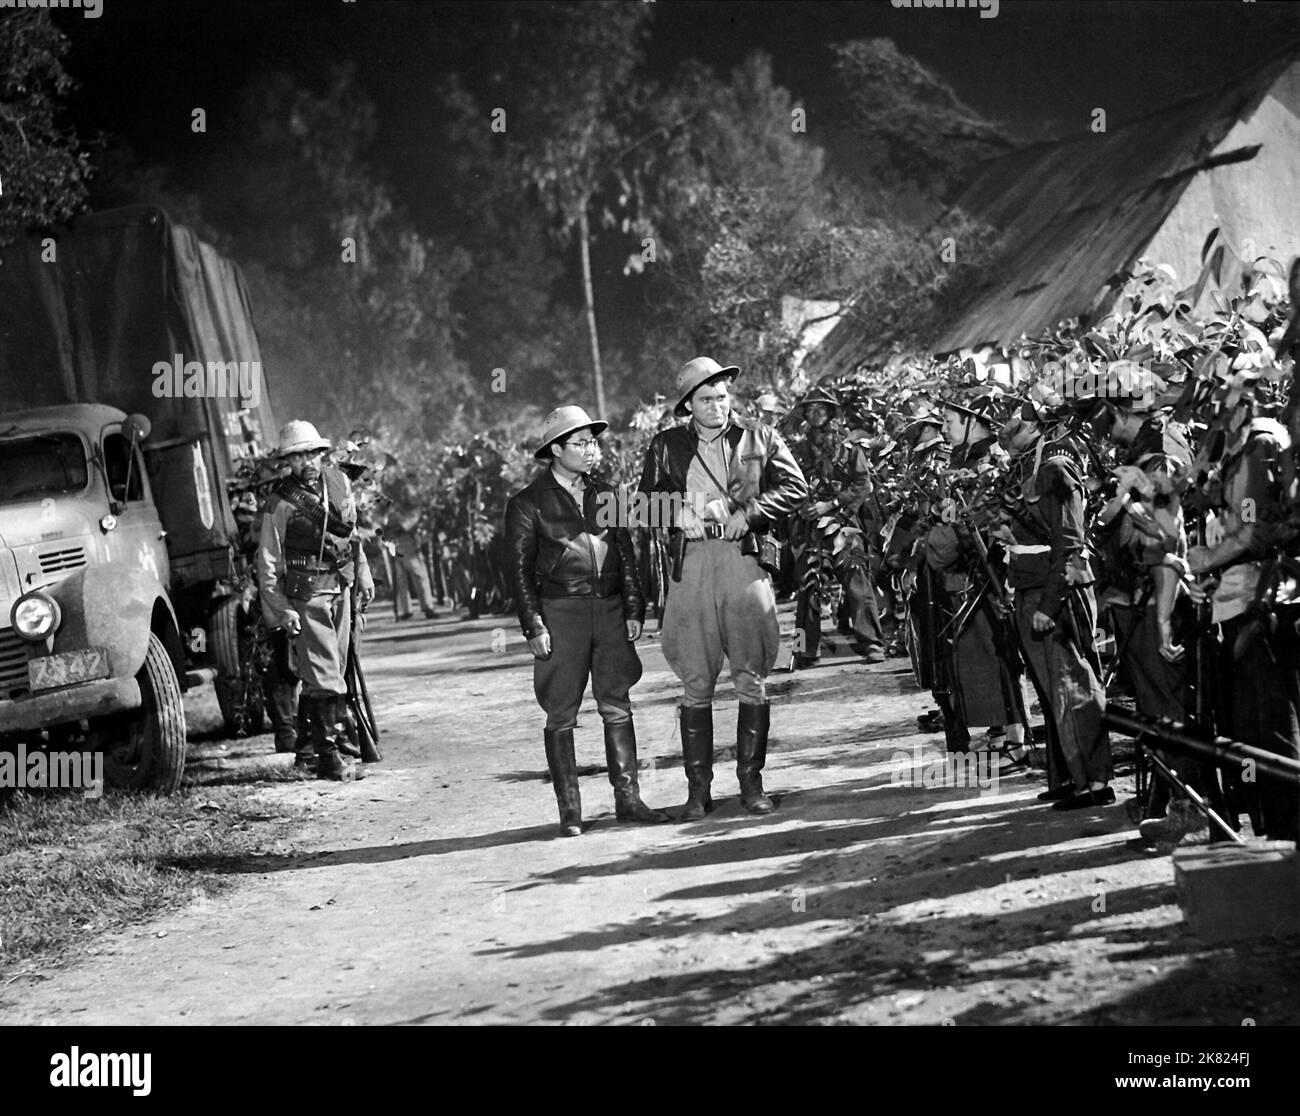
144	749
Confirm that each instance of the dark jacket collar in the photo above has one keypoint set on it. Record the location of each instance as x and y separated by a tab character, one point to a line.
732	432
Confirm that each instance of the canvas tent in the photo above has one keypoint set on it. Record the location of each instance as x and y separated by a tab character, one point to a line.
1074	213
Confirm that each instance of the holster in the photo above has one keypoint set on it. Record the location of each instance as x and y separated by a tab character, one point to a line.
302	585
677	550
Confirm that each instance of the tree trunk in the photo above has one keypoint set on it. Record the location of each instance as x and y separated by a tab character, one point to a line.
584	249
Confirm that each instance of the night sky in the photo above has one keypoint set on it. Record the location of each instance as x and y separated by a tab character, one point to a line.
1041	67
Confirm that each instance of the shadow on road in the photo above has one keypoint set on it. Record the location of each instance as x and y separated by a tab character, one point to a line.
374	854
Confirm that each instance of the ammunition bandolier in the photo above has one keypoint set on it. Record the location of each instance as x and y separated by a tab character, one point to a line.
317	539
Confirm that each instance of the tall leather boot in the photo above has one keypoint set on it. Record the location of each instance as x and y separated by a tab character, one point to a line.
697	759
304	761
620	755
751	753
329	764
564	776
328	712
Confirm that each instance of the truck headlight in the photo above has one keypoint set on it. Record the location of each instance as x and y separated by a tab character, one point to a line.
35	616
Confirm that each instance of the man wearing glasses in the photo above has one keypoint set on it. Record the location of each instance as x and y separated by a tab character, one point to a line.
581	609
308	558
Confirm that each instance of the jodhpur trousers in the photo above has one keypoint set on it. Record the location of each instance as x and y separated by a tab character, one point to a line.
588	639
723	606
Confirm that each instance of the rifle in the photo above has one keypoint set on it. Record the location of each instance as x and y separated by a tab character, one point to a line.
361	727
1230	755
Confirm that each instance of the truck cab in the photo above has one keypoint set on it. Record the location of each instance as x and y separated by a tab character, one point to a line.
89	643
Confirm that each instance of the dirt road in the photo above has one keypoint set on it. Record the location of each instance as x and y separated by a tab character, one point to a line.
437	891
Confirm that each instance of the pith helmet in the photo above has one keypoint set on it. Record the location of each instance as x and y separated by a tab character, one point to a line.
696	372
564	421
299	436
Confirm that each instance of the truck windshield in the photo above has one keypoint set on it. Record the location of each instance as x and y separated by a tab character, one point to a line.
47	465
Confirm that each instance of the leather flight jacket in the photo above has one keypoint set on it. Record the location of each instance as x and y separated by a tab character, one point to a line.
550	554
763	480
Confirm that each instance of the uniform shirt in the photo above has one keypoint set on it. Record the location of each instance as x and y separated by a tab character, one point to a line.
1051	515
1250	482
270	560
699	485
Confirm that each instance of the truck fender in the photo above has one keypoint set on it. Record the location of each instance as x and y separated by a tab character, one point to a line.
114	607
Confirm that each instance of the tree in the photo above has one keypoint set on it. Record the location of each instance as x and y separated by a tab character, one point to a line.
571	80
354	304
43	170
909	128
737	202
747	211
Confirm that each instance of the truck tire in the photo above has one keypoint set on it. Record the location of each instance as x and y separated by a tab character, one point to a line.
145	748
238	685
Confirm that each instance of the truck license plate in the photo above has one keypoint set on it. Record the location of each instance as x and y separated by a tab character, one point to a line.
52	671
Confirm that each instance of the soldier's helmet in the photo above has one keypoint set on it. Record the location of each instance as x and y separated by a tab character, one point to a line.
818	394
990	410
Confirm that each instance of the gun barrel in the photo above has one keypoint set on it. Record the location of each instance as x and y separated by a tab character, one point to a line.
1176	737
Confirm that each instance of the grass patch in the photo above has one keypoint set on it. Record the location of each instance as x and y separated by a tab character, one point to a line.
72	868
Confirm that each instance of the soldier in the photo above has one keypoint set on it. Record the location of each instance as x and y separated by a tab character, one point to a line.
1143	545
769	409
1054	607
1259	661
838	479
581	608
309	557
983	666
403	534
734	480
924	473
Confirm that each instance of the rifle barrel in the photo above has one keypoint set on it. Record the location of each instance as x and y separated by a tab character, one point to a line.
1222	752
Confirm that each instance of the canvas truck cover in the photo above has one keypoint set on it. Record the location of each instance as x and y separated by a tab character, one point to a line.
87	314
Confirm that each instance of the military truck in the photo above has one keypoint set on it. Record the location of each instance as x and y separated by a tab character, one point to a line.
131	393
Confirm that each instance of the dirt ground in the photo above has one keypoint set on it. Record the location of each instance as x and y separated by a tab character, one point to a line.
438	890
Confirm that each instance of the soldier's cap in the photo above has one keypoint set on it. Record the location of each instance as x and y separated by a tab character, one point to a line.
562	422
299	436
767	402
695	373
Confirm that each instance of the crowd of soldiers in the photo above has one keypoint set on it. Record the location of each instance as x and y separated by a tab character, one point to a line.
1110	526
1105	513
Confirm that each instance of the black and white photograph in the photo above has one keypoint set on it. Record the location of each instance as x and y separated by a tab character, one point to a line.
729	513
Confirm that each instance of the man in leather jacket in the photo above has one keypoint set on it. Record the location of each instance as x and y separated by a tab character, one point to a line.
309	555
732	480
581	609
